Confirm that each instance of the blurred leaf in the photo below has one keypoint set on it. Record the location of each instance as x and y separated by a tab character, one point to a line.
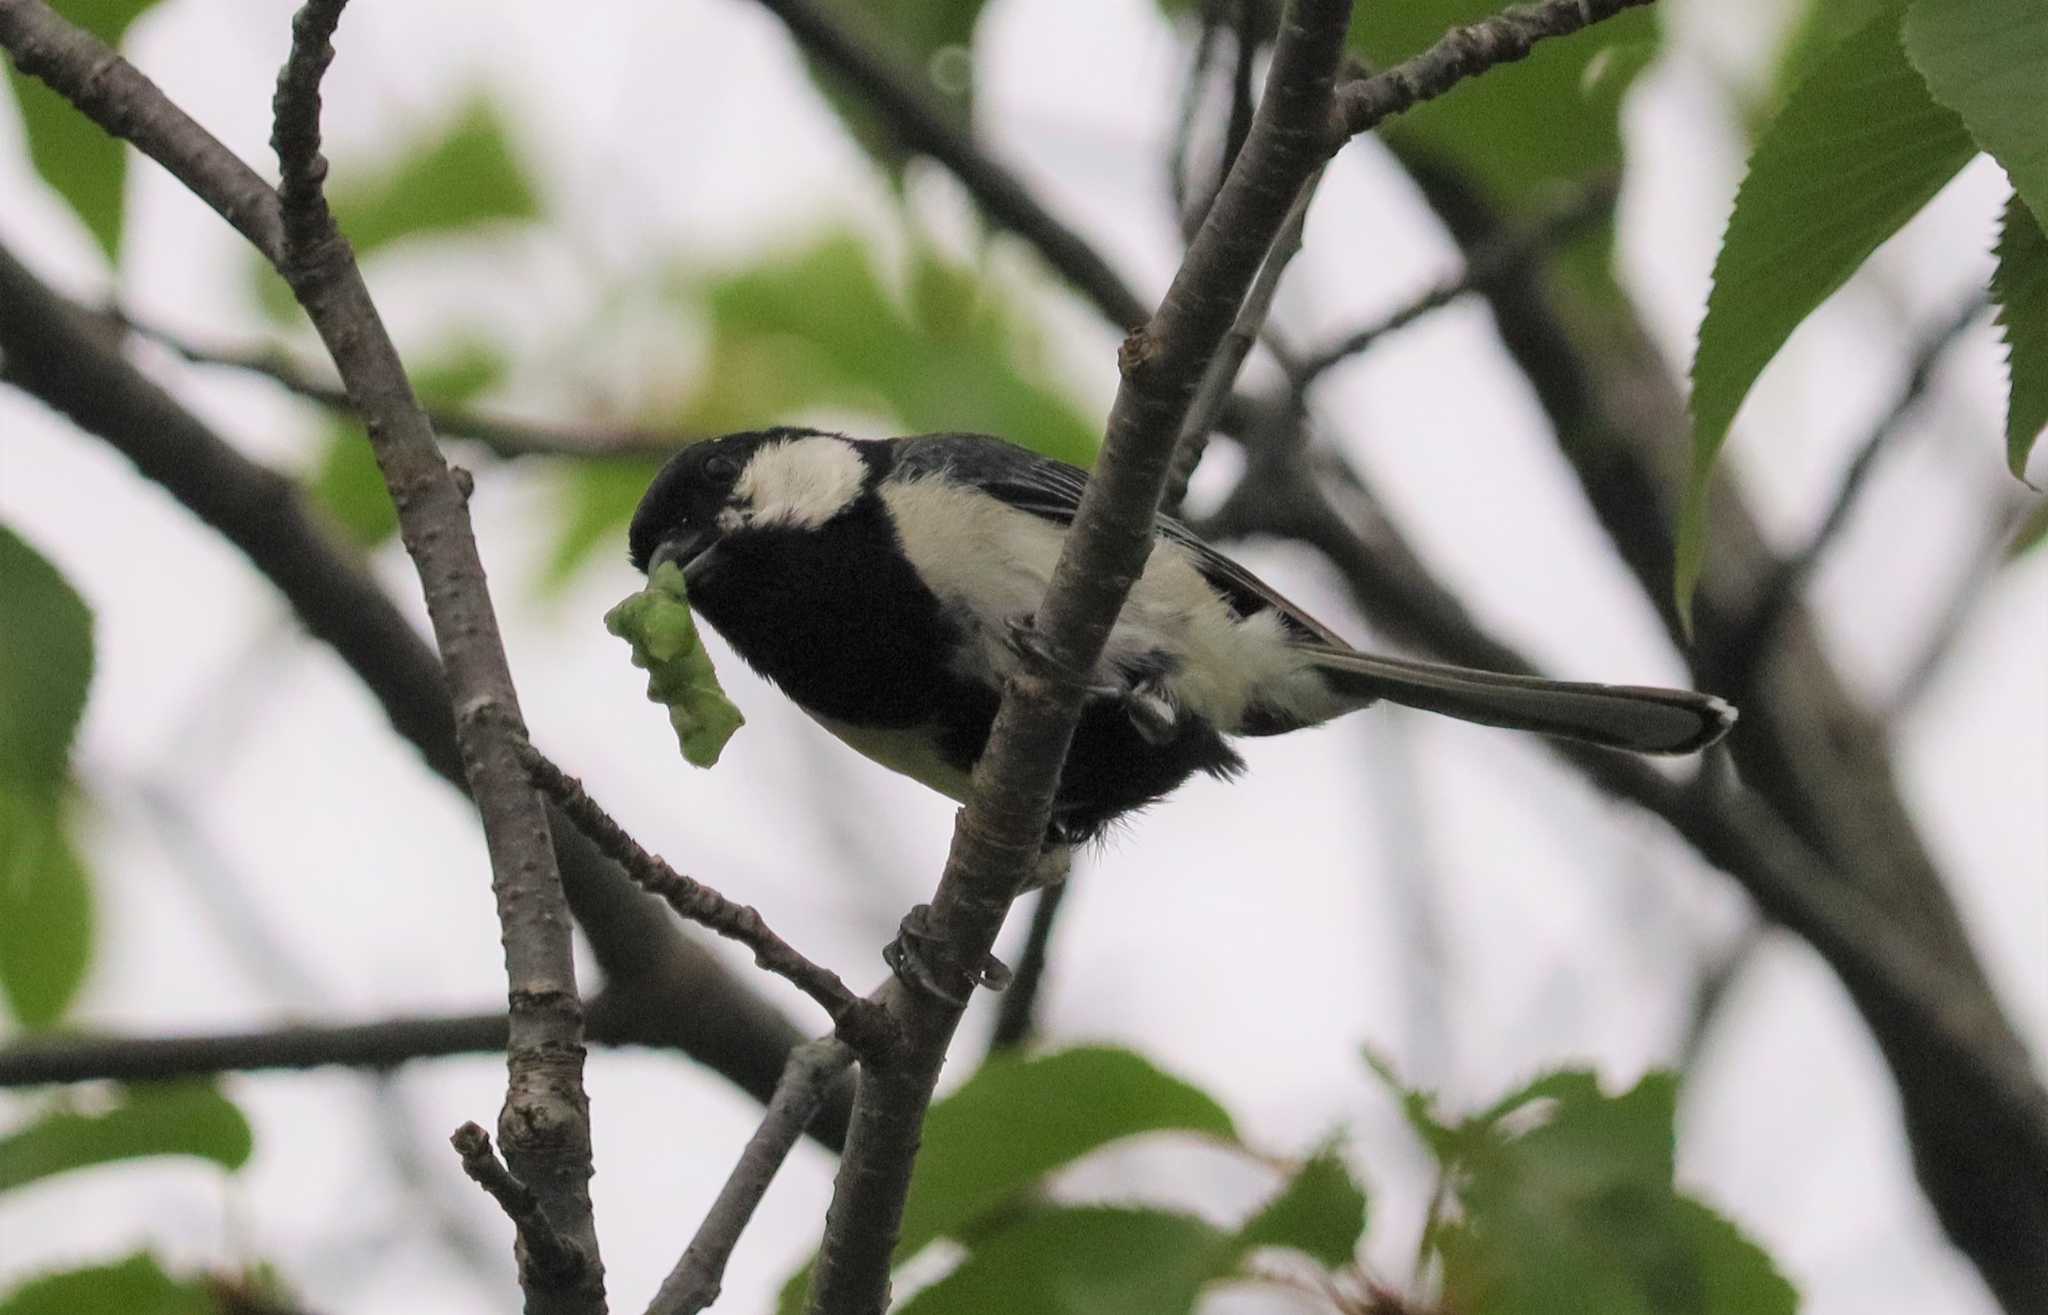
45	667
1088	1261
1019	1118
1988	61
820	329
1525	129
464	175
46	921
2033	531
597	503
185	1118
135	1286
1737	1275
1418	1107
930	40
72	153
2020	287
1860	148
347	481
1577	1212
1320	1212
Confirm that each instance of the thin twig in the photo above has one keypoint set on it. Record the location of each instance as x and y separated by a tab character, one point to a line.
1748	644
1178	155
1463	52
1221	375
1590	205
1014	1017
864	1025
504	436
694	1282
554	1261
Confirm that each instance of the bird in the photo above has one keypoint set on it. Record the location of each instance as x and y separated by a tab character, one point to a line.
888	587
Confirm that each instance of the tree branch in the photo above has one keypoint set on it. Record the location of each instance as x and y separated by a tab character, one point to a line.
545	1122
999	834
503	435
1014	1024
546	1258
694	1282
861	1023
1365	103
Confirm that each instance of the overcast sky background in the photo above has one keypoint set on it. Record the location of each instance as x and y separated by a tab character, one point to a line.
1443	893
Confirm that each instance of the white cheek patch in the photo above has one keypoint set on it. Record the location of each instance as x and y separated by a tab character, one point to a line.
801	483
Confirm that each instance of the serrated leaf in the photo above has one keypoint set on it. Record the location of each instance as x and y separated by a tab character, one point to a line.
1019	1118
184	1118
1822	26
465	174
1319	1212
46	920
73	154
2019	285
1860	148
135	1286
1088	1261
1988	61
45	668
347	481
1577	1212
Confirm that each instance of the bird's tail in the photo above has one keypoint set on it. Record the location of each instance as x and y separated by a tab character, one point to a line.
1637	718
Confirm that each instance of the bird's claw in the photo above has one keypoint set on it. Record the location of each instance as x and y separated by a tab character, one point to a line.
1021	634
906	958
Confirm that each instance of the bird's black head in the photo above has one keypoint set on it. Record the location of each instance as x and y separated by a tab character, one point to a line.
766	479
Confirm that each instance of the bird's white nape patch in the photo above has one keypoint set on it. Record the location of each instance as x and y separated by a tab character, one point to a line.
801	482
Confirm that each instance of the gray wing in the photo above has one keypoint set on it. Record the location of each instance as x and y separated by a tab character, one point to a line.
1051	490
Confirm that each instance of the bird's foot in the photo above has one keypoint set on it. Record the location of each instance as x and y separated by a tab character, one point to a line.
908	957
1020	633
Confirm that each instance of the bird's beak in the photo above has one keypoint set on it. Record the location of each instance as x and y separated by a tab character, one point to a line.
693	552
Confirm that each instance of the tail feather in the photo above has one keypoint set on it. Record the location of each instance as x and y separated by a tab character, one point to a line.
1633	717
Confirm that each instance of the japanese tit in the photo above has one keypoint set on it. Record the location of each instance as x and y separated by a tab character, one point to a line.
882	585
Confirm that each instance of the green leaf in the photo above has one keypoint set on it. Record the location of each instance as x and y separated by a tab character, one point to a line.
1860	148
184	1118
135	1286
1565	1204
1088	1261
2032	533
930	41
464	175
1526	128
347	481
2020	287
74	156
46	920
1320	1212
1824	25
1988	61
1017	1119
45	667
597	502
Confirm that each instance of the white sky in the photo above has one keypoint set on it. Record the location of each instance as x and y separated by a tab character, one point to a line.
1303	899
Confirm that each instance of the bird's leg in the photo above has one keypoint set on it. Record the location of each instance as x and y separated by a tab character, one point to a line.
907	957
1020	633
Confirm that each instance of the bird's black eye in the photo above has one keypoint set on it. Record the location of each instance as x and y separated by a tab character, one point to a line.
722	468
